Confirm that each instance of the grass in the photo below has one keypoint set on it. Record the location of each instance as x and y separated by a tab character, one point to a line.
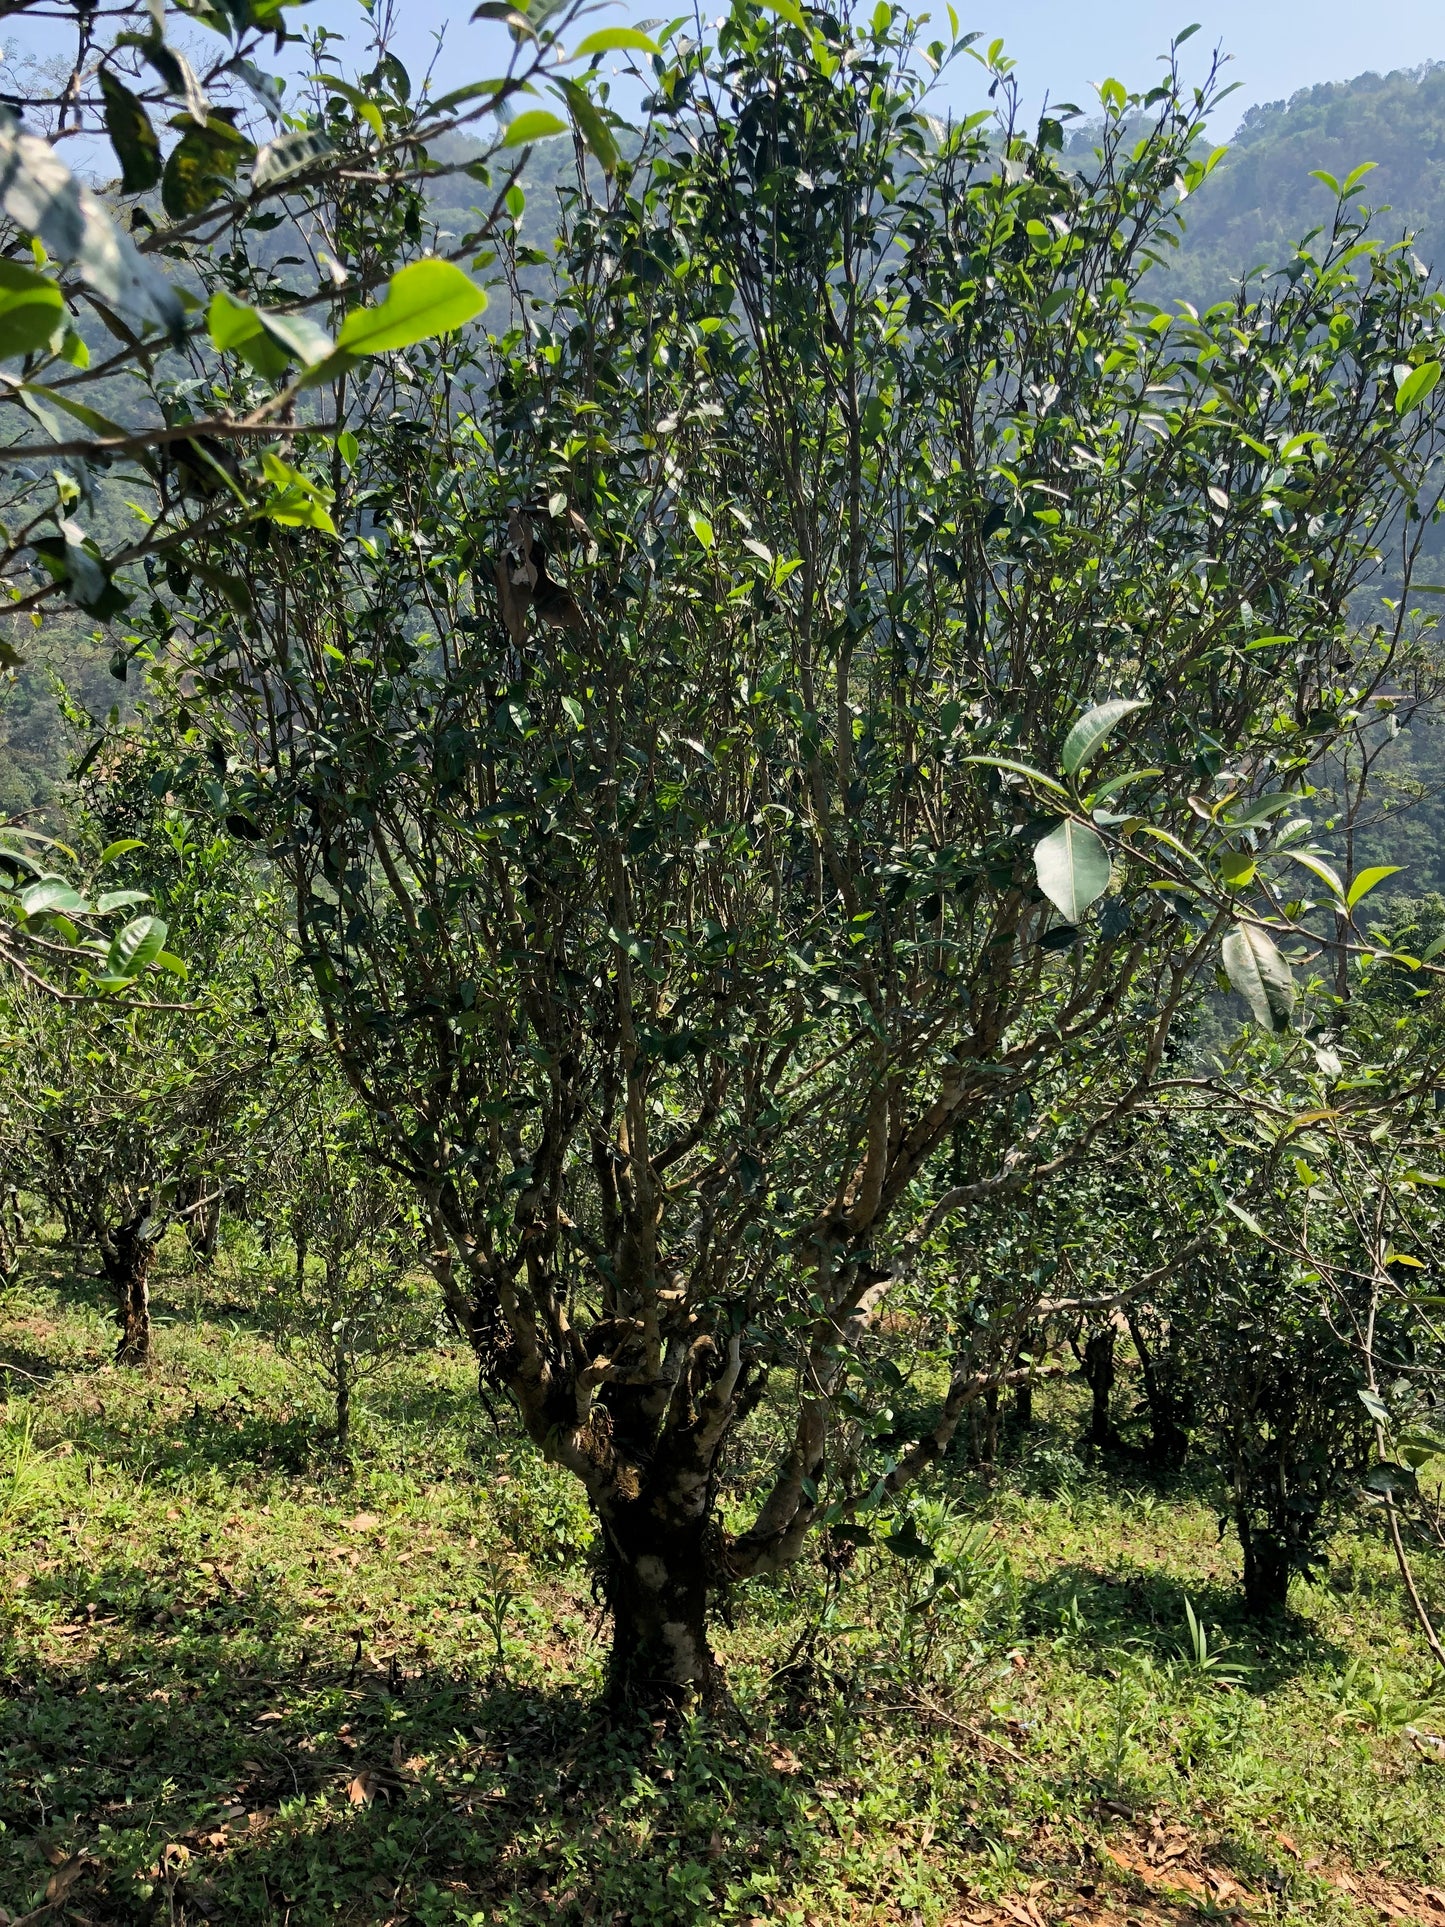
245	1685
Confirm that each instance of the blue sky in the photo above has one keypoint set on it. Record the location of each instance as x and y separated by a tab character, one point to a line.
1062	47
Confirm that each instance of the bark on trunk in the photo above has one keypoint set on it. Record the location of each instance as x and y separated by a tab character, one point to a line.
1099	1371
12	1234
1168	1439
343	1402
1024	1404
1266	1569
202	1231
126	1254
656	1578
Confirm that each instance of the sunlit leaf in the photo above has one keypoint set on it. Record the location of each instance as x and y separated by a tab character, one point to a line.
1089	732
1073	868
1260	975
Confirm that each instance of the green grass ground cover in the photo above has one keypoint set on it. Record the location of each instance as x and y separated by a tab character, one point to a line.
243	1684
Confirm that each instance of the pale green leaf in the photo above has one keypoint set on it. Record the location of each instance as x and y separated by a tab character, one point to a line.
1089	732
609	40
1367	879
535	125
425	299
1073	868
1260	974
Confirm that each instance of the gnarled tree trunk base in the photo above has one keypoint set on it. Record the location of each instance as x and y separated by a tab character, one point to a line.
1266	1572
127	1254
656	1584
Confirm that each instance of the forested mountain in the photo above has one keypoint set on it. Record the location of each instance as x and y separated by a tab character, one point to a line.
1264	197
1259	204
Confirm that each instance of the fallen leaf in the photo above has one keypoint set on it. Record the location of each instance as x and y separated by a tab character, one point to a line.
1289	1846
362	1790
363	1522
65	1877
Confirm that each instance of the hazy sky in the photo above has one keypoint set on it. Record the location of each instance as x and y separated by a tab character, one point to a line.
1062	46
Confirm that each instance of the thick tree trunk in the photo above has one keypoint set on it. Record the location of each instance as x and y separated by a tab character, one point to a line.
126	1254
1266	1569
12	1234
1099	1371
343	1402
1168	1440
656	1577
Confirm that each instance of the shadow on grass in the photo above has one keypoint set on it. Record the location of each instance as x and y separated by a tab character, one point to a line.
1143	1611
226	1436
204	1779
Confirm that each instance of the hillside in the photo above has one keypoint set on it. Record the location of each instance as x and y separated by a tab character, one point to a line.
1263	199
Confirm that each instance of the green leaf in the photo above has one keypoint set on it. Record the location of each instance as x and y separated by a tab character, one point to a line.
535	125
1310	860
788	10
121	847
136	946
298	502
31	309
609	40
1249	1222
1237	868
292	154
428	298
474	89
906	1543
202	164
43	198
596	134
1367	879
58	398
1259	809
1019	769
701	528
131	135
1073	868
120	900
235	328
1374	1405
1089	731
1260	975
1416	386
268	342
52	894
368	109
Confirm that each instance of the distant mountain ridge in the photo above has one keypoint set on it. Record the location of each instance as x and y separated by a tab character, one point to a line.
1262	199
